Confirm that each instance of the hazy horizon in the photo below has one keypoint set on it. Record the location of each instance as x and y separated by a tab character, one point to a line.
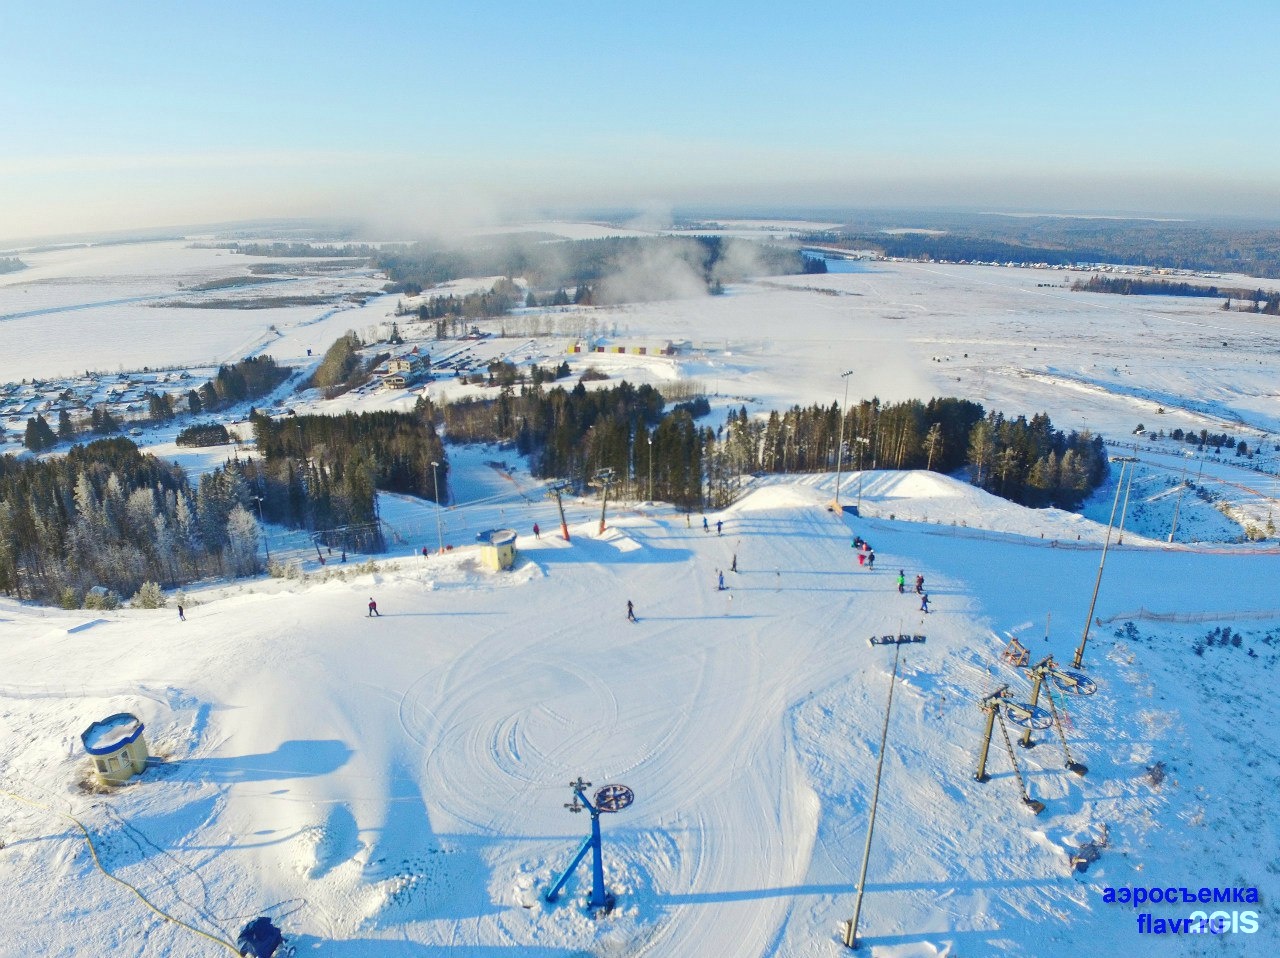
408	118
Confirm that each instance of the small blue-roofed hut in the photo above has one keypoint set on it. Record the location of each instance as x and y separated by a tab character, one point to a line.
497	548
119	751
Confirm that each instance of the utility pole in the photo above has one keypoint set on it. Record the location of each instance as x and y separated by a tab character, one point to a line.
435	471
851	926
862	442
840	450
649	440
1177	503
1124	509
262	522
1124	461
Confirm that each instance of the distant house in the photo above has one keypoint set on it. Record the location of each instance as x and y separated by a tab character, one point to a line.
394	381
402	364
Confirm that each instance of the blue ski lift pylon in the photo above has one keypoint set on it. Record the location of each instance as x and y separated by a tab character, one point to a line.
1077	683
608	798
1027	716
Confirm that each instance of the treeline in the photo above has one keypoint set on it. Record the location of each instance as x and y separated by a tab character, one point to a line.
11	264
343	368
1263	301
321	473
1066	240
1032	463
106	516
345	251
498	300
619	268
573	434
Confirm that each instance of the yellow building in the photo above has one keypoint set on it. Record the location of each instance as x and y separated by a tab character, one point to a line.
119	751
497	548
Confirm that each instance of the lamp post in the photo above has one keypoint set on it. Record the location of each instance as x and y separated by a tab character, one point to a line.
262	522
1124	461
840	449
862	442
648	438
435	472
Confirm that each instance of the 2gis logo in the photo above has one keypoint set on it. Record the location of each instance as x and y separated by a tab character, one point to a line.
1223	923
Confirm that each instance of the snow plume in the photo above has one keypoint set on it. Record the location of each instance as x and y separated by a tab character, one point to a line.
739	260
657	270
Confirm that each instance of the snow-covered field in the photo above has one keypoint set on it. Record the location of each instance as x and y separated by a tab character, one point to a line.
395	786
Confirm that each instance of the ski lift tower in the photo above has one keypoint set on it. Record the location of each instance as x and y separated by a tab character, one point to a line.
1069	682
555	490
1019	713
609	798
602	480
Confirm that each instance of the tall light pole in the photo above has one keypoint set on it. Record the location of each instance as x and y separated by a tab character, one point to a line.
862	442
649	441
840	450
262	522
435	472
1124	461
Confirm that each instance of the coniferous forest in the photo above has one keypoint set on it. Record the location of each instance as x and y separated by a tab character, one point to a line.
106	516
571	434
321	473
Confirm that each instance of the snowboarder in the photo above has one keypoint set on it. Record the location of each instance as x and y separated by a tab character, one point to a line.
631	612
537	533
182	617
871	559
373	609
704	524
718	526
924	602
733	566
721	575
919	585
902	582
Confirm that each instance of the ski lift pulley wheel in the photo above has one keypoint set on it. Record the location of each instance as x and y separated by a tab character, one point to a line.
1027	716
614	798
1075	682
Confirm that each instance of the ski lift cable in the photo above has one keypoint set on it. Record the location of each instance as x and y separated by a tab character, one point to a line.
93	851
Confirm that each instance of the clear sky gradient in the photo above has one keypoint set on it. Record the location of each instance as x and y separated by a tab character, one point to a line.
417	113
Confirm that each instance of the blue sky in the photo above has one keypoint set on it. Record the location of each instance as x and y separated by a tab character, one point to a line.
155	113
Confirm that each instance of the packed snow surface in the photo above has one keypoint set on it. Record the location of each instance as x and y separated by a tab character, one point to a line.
391	783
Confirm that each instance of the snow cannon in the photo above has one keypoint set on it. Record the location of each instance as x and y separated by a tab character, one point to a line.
259	939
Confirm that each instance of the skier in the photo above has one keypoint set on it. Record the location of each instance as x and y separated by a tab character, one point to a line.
721	575
718	525
537	533
181	615
862	559
857	542
733	566
902	582
871	559
373	609
924	602
919	585
631	612
425	552
686	520
704	524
